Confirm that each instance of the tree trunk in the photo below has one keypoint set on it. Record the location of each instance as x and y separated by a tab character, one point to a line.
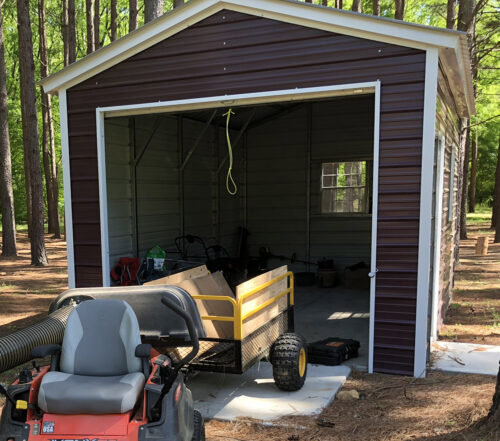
494	414
465	19
114	19
399	13
473	176
376	7
451	14
495	218
132	17
356	5
339	4
307	1
71	32
152	9
97	25
6	193
324	2
89	9
48	143
464	180
65	29
30	131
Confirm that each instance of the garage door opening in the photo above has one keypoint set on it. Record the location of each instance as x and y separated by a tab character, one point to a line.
303	184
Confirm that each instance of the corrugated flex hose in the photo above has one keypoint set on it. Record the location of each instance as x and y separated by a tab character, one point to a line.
15	349
229	177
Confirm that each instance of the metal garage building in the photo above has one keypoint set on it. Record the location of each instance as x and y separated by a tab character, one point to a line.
320	96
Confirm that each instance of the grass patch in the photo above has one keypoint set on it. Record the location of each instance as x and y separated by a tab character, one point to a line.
482	215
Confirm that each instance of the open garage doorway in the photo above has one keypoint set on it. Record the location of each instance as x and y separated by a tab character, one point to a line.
303	197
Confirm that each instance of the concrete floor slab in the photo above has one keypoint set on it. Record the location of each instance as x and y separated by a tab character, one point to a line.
466	358
334	312
253	394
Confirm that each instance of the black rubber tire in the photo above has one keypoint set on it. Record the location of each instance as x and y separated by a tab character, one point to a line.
284	356
199	427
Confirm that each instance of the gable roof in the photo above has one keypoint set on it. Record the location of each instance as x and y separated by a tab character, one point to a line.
452	45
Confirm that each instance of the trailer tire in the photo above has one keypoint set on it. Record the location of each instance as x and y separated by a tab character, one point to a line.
288	357
199	427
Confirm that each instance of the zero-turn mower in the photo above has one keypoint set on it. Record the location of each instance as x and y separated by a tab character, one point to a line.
102	383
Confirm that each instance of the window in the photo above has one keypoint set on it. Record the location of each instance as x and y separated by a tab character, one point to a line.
344	187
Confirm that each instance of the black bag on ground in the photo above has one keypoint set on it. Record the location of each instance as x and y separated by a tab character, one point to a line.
332	351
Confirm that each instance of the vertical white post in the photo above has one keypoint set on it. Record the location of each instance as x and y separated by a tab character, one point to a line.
425	227
438	222
103	196
68	209
373	269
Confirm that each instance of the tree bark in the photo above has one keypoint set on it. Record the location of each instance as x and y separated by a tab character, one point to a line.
356	5
494	414
464	180
89	11
71	32
324	2
9	248
48	143
466	19
64	29
376	7
473	176
30	131
132	17
152	9
97	25
451	14
339	4
495	217
399	13
114	19
307	1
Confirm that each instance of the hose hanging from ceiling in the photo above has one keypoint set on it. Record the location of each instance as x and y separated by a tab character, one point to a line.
229	177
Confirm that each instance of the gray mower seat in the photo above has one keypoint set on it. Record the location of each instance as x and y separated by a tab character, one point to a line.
99	372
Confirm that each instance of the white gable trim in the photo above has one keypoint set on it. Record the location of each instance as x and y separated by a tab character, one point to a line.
302	14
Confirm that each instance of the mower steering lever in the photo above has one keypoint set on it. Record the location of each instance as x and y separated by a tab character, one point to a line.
193	335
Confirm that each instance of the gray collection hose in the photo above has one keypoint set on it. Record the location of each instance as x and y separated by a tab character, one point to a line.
15	349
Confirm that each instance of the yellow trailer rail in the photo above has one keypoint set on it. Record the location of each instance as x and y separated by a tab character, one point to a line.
248	346
238	317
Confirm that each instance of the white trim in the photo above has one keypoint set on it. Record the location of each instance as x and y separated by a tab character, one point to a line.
103	197
373	269
438	222
425	226
238	100
68	209
329	19
244	99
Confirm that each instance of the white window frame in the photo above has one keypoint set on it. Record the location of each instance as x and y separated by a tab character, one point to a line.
366	186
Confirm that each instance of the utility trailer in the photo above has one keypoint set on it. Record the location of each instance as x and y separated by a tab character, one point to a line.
273	339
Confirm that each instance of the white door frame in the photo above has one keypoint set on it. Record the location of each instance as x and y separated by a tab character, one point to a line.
297	94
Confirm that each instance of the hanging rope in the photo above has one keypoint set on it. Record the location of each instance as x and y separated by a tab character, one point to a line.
229	177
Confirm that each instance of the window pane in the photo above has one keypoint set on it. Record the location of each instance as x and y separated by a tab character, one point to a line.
344	187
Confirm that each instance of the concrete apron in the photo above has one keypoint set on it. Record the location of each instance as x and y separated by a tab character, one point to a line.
254	395
466	358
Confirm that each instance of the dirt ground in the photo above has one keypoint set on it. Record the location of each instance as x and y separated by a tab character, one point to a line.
26	291
474	312
439	408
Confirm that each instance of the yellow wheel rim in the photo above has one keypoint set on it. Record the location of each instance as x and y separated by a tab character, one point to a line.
302	362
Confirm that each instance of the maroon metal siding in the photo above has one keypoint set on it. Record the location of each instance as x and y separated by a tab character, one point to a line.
232	53
448	120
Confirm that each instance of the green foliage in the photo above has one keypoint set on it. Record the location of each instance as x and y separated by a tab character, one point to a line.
429	12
